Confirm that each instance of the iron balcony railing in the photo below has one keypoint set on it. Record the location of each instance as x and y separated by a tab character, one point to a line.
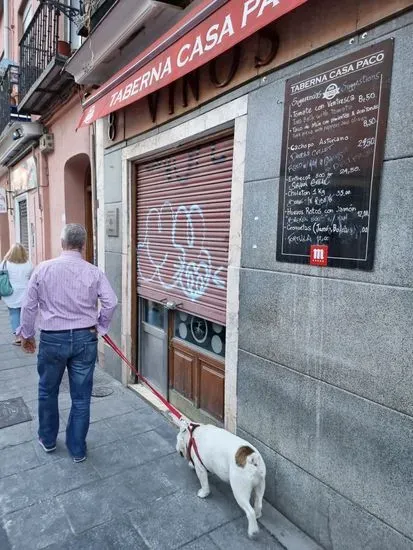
38	46
9	96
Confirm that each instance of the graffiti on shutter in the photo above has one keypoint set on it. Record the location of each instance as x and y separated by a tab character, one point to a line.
183	216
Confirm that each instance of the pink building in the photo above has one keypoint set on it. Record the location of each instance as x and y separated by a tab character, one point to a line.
45	169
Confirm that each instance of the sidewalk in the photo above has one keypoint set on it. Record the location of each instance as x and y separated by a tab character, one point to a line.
133	492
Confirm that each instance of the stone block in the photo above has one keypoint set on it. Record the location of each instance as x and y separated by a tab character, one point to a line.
113	271
264	132
358	448
112	363
113	176
325	515
355	336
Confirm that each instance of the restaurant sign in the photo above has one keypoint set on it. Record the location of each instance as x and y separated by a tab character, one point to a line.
228	25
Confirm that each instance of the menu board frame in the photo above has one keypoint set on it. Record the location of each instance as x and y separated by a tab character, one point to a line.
372	64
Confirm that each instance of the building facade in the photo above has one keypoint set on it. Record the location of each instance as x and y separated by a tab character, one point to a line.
254	213
200	211
45	167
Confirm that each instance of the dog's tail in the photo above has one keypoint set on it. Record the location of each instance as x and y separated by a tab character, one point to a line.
254	459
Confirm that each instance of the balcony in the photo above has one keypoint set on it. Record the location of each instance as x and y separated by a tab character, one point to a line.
118	32
9	97
42	57
17	133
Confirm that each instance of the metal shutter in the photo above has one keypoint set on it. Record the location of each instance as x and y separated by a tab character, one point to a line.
183	218
24	224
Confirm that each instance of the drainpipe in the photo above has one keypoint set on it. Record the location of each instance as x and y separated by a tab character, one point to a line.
6	28
94	191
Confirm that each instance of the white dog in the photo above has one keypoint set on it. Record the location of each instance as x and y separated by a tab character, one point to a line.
232	459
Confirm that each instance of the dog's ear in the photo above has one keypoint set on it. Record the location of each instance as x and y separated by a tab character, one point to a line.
183	424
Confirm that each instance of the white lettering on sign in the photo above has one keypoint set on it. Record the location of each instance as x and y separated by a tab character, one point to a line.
214	35
338	72
231	23
318	254
155	74
252	6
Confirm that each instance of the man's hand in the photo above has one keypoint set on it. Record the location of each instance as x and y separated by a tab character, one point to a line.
29	345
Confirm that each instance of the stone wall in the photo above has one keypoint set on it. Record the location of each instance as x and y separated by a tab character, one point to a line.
324	377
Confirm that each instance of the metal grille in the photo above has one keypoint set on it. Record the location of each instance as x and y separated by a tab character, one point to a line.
38	46
24	224
183	218
9	96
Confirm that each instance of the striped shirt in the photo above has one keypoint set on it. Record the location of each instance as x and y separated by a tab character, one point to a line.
65	293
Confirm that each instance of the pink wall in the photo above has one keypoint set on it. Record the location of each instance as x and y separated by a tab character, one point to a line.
15	27
64	184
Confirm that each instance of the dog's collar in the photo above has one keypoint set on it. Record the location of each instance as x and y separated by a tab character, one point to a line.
192	445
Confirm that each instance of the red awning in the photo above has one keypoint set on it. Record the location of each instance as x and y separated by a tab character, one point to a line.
207	31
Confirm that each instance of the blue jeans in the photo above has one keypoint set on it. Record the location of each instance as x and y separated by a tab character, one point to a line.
76	350
14	315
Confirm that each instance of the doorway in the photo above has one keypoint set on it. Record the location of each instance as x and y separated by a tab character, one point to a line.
154	344
78	197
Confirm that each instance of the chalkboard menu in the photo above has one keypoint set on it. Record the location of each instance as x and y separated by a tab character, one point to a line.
335	120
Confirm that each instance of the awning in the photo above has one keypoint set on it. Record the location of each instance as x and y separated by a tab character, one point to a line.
206	32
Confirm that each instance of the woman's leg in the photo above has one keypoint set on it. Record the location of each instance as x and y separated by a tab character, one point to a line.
14	314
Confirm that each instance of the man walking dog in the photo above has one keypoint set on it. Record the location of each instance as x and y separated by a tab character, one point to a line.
65	293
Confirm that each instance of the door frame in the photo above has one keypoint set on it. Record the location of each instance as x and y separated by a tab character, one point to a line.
230	115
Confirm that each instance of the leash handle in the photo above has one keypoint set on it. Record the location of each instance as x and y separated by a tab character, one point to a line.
118	352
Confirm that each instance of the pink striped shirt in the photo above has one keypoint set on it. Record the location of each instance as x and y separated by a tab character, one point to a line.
65	292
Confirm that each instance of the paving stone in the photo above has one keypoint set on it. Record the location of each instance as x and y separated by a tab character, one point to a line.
21	374
111	459
4	540
18	458
180	518
167	431
235	535
14	435
116	535
100	433
107	408
135	422
101	501
36	527
203	543
24	489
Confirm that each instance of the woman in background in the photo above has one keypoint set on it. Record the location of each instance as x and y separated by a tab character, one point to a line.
16	261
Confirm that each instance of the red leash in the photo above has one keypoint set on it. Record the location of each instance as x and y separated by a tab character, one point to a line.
115	348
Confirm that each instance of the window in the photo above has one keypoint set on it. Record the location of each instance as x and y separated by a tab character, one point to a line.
200	332
22	222
27	16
